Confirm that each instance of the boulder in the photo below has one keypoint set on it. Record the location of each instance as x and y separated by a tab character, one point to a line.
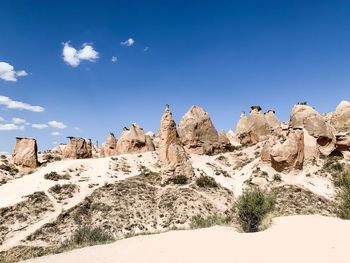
172	155
25	153
233	138
134	140
109	147
198	134
78	148
304	116
285	154
340	119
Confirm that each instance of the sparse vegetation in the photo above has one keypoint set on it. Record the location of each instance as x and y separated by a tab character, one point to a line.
253	205
343	182
199	221
179	179
89	236
332	165
54	176
206	181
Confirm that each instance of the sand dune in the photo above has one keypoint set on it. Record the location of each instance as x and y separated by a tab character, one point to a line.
290	239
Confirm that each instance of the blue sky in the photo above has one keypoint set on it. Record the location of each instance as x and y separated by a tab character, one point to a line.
221	55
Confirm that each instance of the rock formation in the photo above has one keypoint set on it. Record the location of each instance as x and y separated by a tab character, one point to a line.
172	155
25	153
109	147
304	116
233	138
78	148
341	117
134	140
257	127
198	134
289	154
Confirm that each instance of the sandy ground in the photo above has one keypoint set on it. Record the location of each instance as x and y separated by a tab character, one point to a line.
290	239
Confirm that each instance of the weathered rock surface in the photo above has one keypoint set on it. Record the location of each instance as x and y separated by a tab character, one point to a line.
25	153
257	127
172	154
198	134
341	117
288	154
304	116
109	147
78	148
233	138
134	140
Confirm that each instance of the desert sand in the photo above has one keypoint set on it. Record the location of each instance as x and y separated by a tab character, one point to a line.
290	239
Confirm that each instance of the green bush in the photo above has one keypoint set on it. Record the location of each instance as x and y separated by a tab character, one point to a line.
332	165
253	205
88	236
206	181
179	179
343	182
199	221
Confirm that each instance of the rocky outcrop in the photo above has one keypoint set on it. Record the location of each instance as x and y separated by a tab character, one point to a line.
273	121
134	140
233	138
172	155
257	127
25	153
304	116
287	154
340	119
78	148
109	147
198	134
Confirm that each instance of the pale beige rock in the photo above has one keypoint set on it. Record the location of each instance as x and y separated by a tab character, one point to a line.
340	119
78	148
259	182
304	116
311	148
242	125
198	134
109	147
134	140
233	138
25	153
172	155
273	121
266	149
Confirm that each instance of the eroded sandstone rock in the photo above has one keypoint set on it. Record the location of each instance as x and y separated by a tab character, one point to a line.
109	147
341	117
172	155
134	140
78	148
25	153
198	134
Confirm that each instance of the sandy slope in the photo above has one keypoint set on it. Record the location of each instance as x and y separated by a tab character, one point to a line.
290	239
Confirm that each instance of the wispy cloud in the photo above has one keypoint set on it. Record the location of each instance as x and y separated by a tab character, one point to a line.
114	59
11	127
57	124
56	133
39	126
1	119
12	104
73	57
146	49
128	43
76	128
8	72
19	121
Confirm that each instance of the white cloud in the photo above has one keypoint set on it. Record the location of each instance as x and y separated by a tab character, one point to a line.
1	119
73	57
10	127
39	126
12	104
19	121
56	133
57	124
114	59
76	128
8	72
146	49
128	42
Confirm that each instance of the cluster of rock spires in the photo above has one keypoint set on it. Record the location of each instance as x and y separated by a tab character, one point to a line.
289	145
